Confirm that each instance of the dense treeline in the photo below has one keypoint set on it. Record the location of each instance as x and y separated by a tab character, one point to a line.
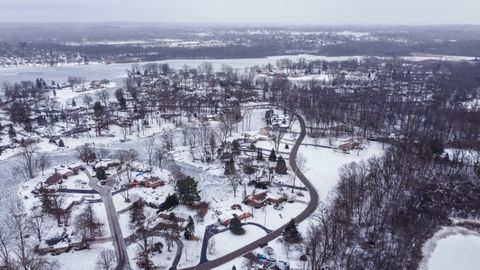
385	208
418	106
158	42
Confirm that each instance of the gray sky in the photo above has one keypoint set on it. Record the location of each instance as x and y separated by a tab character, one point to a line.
245	11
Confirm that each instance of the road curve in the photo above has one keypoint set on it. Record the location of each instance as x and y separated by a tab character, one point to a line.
312	206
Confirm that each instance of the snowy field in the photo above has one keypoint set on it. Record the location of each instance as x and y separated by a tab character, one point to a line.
452	248
322	164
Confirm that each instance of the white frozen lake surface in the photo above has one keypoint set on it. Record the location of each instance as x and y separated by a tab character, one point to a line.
116	72
452	248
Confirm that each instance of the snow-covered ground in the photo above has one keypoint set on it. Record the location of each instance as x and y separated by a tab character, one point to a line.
322	164
83	259
227	242
452	248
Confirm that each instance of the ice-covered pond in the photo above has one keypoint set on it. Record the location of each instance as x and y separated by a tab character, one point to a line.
452	248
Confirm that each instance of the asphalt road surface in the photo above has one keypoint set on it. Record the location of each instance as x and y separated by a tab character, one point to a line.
105	192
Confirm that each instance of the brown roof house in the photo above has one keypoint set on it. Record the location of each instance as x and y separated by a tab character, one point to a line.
56	178
349	144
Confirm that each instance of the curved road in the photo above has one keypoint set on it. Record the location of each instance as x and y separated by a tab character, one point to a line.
312	206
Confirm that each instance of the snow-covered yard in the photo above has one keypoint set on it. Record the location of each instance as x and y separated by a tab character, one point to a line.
322	164
84	259
226	242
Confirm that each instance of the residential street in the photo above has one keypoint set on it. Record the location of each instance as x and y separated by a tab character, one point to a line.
123	262
312	206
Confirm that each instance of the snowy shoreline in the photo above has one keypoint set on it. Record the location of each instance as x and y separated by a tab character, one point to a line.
116	71
432	245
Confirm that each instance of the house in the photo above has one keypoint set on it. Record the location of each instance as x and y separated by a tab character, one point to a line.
262	197
107	163
65	172
266	131
56	178
349	144
154	182
149	181
76	167
224	217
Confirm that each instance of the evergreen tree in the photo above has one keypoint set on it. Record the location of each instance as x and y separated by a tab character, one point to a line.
291	233
236	226
273	156
74	104
230	167
437	147
260	155
187	189
61	143
47	204
190	228
101	175
137	215
235	147
190	224
122	102
170	201
281	167
249	169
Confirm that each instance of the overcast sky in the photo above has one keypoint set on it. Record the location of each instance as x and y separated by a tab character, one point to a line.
245	11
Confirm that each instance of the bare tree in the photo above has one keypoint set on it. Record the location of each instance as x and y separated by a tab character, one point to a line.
103	96
159	155
37	223
6	242
88	224
127	157
102	153
142	258
86	153
21	230
43	162
234	180
167	137
53	204
28	149
277	139
87	100
150	149
106	260
226	127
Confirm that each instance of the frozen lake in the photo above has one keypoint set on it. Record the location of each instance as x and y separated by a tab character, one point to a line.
452	248
116	72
